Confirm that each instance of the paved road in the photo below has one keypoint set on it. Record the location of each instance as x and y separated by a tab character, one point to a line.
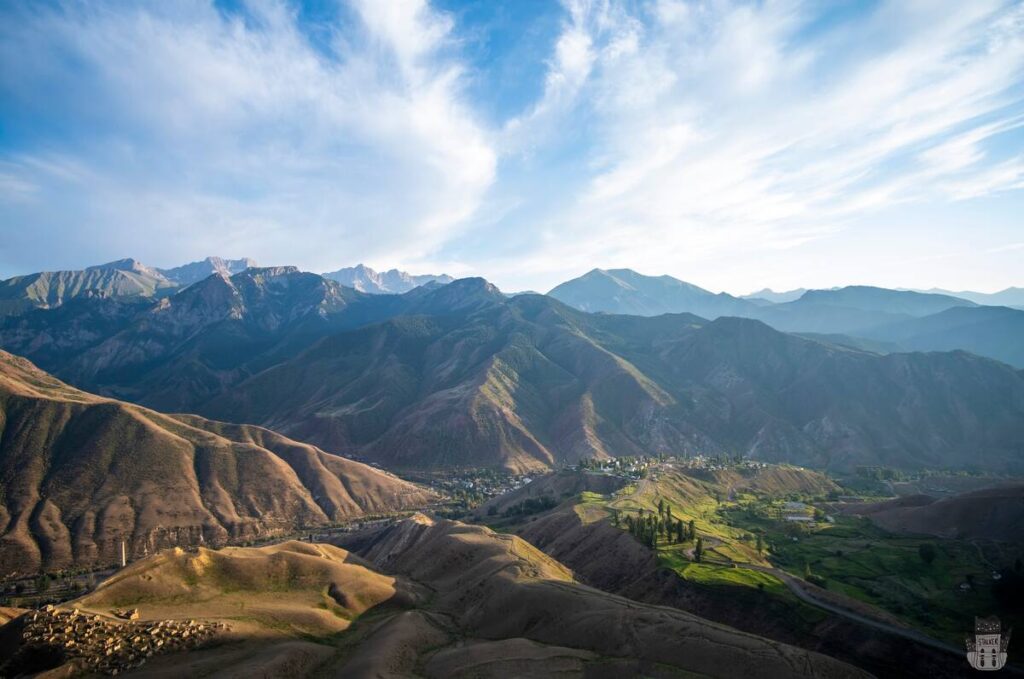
795	585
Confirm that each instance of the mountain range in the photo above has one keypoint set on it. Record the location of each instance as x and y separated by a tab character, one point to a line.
393	281
461	375
129	279
862	316
79	474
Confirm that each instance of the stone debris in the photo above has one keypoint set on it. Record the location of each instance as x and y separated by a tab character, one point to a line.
107	646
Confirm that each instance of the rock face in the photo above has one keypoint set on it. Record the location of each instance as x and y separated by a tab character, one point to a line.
79	474
187	274
365	279
91	643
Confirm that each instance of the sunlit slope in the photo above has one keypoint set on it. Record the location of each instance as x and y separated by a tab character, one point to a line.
502	588
81	473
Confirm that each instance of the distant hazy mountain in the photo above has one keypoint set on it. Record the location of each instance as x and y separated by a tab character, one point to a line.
365	279
624	291
80	473
1013	297
123	278
852	310
770	295
994	331
188	274
867	298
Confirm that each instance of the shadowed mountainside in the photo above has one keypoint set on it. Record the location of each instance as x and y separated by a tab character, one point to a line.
461	376
80	473
528	383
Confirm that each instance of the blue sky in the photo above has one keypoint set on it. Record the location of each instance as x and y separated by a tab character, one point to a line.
735	145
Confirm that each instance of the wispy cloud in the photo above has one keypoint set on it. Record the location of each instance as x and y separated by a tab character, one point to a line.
720	127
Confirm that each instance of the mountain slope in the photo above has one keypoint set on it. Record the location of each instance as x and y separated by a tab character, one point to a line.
623	291
497	383
852	310
80	473
986	514
770	295
393	281
431	599
1011	297
125	278
502	588
528	383
188	347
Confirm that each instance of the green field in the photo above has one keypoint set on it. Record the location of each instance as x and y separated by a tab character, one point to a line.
846	555
862	561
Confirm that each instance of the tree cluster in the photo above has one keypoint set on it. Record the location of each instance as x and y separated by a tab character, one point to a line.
649	527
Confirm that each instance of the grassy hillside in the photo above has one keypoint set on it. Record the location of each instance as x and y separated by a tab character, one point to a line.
739	579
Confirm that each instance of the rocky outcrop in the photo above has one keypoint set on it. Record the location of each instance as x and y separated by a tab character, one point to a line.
95	644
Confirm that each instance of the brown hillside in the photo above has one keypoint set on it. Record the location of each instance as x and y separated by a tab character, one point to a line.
987	514
487	606
80	473
529	608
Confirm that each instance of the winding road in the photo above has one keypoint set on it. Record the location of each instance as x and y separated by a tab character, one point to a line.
795	585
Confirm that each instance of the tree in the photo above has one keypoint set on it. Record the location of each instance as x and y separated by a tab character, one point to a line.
693	530
698	550
615	519
42	584
661	506
927	553
760	544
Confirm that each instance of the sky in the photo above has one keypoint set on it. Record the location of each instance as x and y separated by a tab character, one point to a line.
734	145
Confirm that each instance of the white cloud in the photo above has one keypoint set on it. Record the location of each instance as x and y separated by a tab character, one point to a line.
198	131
